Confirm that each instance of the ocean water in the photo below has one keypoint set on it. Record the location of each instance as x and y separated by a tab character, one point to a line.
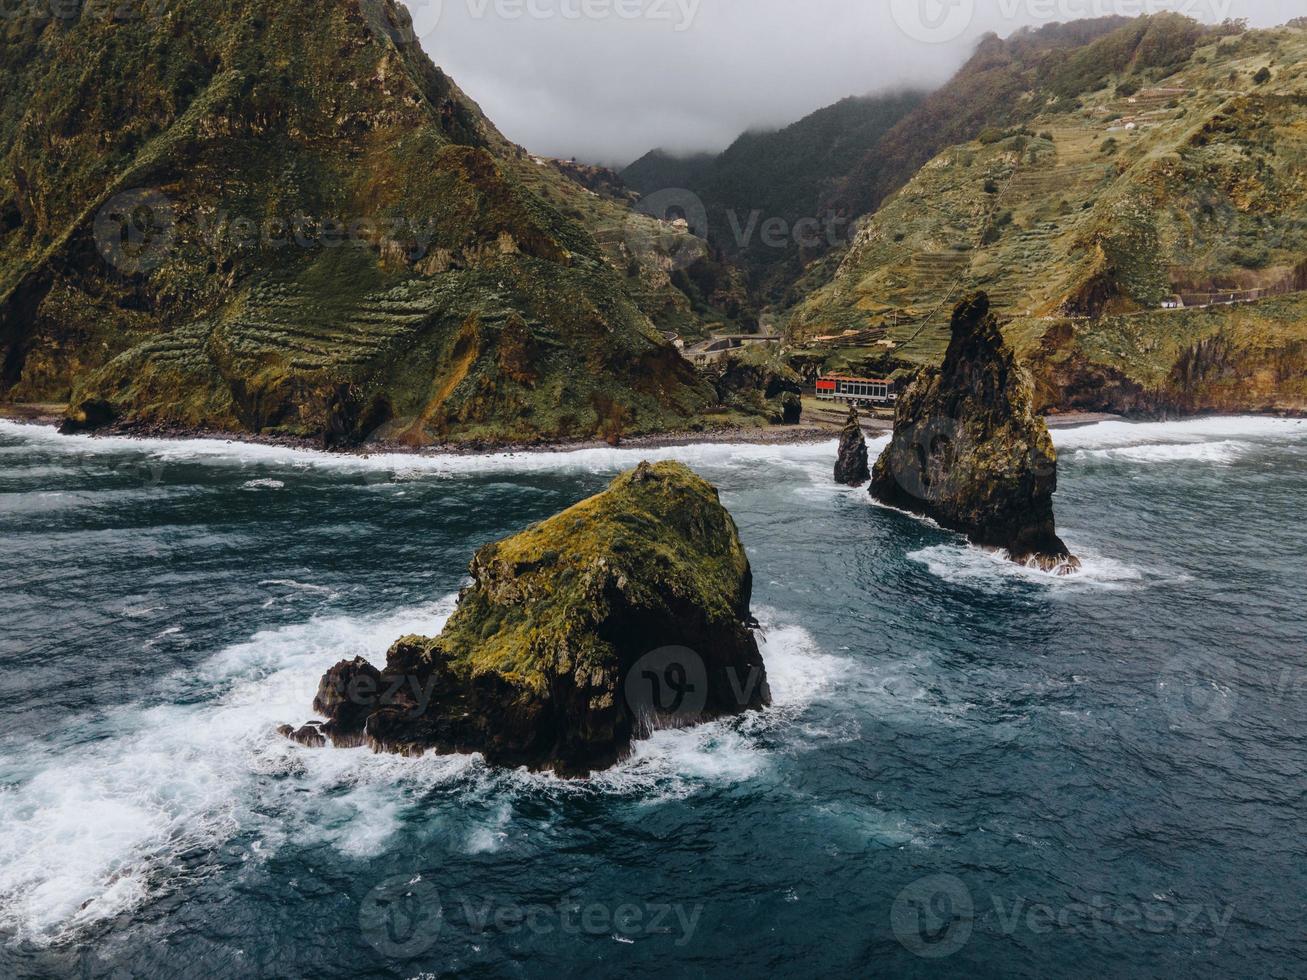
970	769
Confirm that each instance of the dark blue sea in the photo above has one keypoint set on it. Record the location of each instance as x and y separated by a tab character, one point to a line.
970	769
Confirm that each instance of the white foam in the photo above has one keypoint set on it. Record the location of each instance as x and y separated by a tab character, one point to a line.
263	484
962	563
1224	452
676	763
1107	435
98	824
408	466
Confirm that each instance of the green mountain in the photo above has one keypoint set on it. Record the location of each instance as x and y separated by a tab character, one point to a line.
283	219
1140	226
792	177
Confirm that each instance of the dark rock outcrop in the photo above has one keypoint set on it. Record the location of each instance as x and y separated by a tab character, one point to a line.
969	451
625	613
852	469
759	382
92	414
347	695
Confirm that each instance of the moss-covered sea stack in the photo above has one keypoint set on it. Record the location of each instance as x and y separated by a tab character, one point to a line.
970	452
282	218
622	614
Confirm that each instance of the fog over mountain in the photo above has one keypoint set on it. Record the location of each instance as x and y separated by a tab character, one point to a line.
606	80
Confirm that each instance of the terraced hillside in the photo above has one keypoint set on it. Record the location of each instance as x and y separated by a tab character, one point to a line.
282	218
1147	240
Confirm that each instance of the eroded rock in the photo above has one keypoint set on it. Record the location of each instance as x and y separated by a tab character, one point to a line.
970	452
851	468
623	614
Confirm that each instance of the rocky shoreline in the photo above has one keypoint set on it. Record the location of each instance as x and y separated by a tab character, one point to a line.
768	435
804	434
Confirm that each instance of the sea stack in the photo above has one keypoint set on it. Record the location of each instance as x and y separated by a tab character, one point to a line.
851	468
970	452
626	613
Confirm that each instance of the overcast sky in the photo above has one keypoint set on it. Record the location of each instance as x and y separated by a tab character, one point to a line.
607	80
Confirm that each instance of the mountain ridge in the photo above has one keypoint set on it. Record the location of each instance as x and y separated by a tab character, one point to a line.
445	287
1140	239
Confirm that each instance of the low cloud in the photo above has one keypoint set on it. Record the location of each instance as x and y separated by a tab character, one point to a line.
607	80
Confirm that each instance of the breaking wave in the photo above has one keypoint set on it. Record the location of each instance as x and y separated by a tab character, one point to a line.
114	815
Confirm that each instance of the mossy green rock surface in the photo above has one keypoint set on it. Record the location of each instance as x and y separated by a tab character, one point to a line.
1138	221
970	452
284	219
622	614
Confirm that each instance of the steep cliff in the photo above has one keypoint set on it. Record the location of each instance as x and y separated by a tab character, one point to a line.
1145	210
283	219
969	452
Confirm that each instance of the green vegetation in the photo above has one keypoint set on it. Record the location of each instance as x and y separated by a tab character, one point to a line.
1187	191
784	177
657	540
342	244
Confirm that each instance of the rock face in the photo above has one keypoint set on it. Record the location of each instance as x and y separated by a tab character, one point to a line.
625	613
969	451
758	381
284	219
851	468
